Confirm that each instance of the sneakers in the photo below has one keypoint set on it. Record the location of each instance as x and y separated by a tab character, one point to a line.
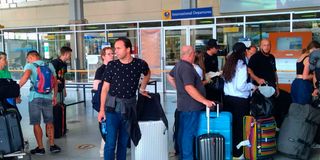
38	151
55	149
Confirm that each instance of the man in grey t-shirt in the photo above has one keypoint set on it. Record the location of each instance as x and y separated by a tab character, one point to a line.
190	100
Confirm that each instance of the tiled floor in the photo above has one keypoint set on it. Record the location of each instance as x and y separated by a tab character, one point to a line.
82	141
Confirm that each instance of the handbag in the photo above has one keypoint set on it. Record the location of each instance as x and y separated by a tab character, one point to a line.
216	83
260	105
9	88
266	90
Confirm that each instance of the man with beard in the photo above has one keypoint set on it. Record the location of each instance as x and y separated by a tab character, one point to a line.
262	66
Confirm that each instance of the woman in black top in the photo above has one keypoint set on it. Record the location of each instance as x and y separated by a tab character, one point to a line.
301	87
106	56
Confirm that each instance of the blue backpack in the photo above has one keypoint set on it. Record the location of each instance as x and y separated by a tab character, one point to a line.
45	79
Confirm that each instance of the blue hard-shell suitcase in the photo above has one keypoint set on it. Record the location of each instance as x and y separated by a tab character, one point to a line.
221	123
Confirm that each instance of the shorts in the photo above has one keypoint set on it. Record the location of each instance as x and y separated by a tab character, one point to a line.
38	106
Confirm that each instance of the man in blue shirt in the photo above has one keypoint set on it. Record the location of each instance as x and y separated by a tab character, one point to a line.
40	103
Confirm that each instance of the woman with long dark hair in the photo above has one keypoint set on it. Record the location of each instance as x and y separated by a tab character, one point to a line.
237	91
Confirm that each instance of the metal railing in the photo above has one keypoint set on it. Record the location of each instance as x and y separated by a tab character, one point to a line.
84	86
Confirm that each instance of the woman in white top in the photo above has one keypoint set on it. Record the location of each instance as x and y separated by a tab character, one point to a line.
237	90
199	64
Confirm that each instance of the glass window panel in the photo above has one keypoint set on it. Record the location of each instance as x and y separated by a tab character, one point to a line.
268	18
92	46
256	32
93	27
93	43
49	47
205	21
149	24
227	36
17	44
130	34
230	20
171	23
174	40
56	29
151	51
309	26
122	26
199	37
306	15
168	85
50	43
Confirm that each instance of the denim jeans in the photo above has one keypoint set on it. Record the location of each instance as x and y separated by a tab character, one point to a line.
116	130
189	122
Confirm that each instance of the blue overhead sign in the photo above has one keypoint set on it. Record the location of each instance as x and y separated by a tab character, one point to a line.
187	13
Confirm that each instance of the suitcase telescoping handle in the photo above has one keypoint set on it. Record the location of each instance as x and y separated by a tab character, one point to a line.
208	116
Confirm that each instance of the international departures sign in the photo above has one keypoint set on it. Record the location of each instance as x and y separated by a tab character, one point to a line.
186	13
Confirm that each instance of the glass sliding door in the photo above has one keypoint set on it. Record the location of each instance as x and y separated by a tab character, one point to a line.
174	40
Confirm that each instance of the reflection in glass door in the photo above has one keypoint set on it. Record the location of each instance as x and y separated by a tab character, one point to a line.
174	40
199	37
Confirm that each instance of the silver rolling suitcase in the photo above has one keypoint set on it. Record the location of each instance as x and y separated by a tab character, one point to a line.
211	146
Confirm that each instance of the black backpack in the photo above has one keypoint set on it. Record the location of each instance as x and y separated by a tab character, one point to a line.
96	97
260	106
9	88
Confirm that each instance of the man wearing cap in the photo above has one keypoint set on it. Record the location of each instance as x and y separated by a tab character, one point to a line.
211	65
211	58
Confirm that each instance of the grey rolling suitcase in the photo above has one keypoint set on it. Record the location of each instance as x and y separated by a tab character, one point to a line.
14	128
211	146
298	130
11	139
4	136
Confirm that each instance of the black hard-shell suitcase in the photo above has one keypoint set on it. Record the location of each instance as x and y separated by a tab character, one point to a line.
210	146
59	120
150	109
